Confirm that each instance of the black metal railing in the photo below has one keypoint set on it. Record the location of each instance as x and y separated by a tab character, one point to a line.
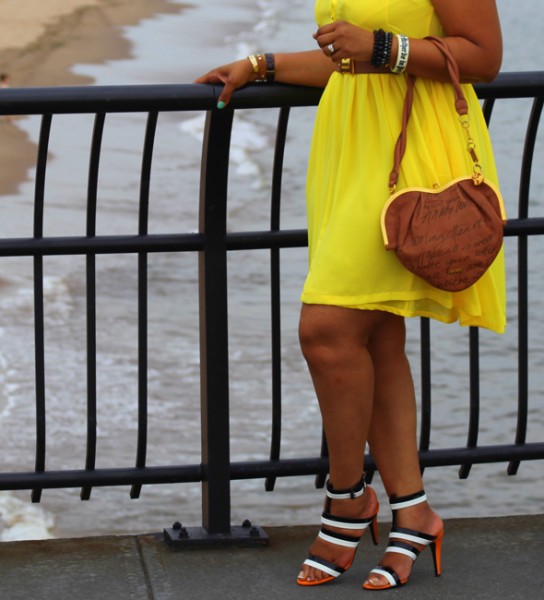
213	244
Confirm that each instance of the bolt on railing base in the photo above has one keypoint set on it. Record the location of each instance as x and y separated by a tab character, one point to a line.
184	538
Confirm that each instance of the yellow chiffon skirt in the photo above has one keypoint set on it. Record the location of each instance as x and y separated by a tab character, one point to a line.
357	125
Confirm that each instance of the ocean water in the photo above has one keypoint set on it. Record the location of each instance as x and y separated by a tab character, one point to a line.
177	48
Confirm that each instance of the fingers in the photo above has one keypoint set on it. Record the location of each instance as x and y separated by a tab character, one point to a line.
327	39
326	29
329	48
232	76
233	81
225	95
211	77
216	77
341	40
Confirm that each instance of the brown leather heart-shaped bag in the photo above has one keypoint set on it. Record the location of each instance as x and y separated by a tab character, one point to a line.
448	236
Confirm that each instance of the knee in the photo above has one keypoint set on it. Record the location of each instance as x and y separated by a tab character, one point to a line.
308	336
388	341
320	340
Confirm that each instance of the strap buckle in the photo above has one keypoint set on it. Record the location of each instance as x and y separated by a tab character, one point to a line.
346	65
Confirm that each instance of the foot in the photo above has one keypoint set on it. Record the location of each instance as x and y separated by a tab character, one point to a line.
419	518
363	507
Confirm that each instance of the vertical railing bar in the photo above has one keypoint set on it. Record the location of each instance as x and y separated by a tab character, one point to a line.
92	199
213	311
523	347
39	334
487	109
474	360
275	292
426	389
474	410
143	226
523	280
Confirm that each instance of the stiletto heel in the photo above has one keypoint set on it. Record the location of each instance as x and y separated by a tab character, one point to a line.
374	528
436	549
333	537
398	538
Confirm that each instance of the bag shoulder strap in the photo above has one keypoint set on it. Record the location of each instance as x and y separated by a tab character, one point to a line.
461	106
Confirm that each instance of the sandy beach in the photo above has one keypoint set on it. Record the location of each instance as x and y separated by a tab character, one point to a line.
40	42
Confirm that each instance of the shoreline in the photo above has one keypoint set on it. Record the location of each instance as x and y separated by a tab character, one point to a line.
60	36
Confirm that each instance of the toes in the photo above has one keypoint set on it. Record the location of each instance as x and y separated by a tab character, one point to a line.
374	581
311	575
306	575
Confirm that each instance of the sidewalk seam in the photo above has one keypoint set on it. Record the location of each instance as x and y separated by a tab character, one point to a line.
145	570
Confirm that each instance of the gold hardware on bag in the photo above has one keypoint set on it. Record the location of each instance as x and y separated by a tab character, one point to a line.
477	175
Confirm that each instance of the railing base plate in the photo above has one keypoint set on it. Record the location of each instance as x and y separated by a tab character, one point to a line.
184	538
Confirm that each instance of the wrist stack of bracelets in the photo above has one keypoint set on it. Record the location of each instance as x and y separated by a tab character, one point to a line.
263	66
381	55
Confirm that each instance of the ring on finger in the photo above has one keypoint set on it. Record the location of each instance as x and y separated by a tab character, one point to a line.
331	49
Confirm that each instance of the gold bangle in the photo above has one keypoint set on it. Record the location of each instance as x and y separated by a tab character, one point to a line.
259	66
254	64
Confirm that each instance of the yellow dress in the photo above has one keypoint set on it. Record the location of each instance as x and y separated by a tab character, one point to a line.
357	125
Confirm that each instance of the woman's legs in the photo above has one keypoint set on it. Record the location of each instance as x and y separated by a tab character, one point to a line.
365	391
392	431
392	436
334	342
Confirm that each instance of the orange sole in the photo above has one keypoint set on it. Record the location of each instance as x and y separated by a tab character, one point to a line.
318	582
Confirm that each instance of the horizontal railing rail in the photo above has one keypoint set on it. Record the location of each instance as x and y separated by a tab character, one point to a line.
212	243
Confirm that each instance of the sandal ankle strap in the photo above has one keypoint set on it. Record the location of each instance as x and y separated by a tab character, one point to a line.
398	503
355	492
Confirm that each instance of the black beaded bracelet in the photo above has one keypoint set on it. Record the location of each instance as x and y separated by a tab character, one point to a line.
379	45
381	53
387	50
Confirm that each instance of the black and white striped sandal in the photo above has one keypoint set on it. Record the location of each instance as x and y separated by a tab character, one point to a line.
333	537
401	540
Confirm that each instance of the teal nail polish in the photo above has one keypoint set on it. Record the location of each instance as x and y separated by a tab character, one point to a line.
221	104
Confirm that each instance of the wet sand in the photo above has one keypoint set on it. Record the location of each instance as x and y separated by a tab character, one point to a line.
40	42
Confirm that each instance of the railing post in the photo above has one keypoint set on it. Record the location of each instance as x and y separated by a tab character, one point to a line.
214	351
214	359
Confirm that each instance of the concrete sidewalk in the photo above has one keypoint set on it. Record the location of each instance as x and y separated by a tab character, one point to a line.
495	558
